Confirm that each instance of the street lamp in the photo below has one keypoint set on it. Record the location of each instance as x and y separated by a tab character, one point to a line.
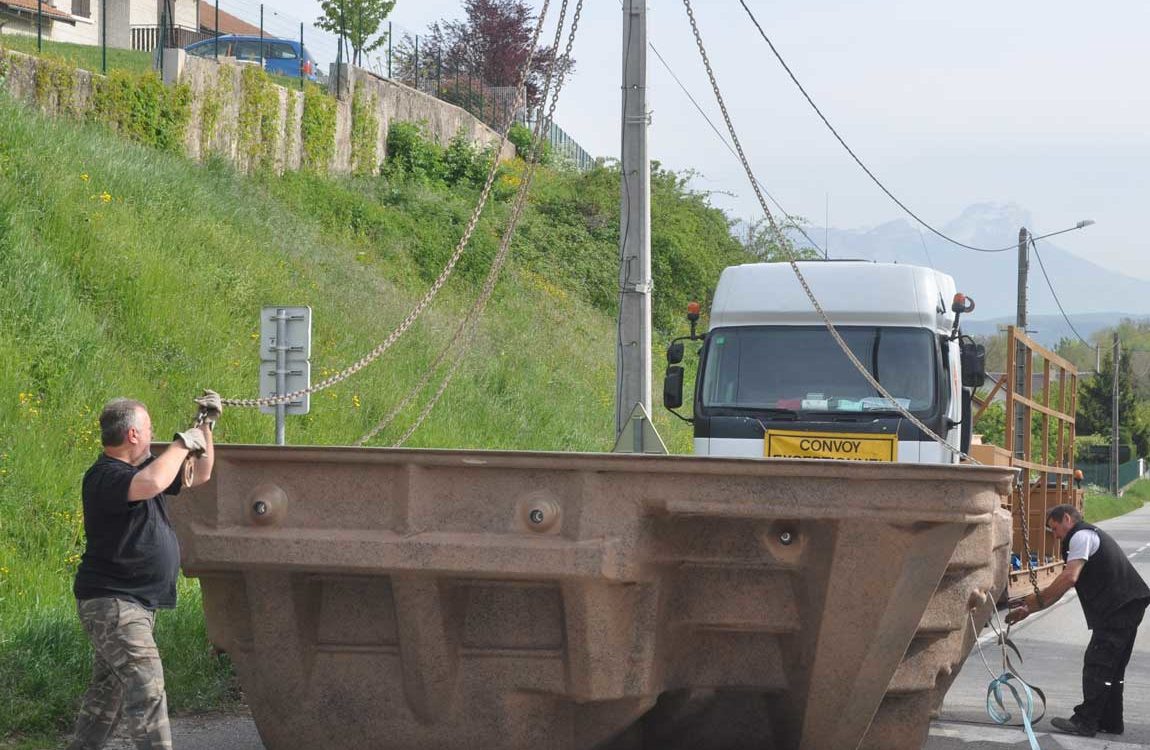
1024	240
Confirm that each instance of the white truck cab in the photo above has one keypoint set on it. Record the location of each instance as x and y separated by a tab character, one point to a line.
773	382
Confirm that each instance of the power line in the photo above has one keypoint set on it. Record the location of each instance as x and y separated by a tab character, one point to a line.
854	156
730	148
1054	294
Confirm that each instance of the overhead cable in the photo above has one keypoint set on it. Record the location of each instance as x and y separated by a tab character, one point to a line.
791	219
854	156
1054	294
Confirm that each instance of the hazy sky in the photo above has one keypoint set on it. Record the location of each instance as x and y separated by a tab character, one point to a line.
1043	104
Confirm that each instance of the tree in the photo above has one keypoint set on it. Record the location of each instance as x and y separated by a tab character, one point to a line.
767	246
1096	398
492	43
355	22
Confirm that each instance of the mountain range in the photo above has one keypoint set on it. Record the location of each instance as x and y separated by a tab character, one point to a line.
1093	297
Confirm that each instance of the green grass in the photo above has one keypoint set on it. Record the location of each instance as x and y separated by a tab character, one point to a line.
124	271
1139	490
84	56
1100	506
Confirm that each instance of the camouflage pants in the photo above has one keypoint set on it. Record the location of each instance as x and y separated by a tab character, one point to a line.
127	677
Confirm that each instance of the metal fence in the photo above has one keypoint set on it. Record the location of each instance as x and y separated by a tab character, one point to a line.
149	37
398	54
493	105
1099	473
407	60
564	148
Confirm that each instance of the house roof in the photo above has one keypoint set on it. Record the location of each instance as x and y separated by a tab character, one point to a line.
29	6
229	24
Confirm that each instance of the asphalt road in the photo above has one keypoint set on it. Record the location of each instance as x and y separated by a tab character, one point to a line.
1052	643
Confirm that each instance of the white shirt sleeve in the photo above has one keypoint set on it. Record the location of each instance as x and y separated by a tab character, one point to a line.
1082	545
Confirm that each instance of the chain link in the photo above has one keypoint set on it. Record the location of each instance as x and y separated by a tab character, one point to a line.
785	247
374	354
469	326
505	243
1031	567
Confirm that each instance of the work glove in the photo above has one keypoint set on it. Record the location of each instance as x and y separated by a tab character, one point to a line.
194	440
210	407
1018	614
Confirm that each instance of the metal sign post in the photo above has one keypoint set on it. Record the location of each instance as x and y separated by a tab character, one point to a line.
285	349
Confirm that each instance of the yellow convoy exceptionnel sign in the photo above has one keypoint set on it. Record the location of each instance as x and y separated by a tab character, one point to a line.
850	447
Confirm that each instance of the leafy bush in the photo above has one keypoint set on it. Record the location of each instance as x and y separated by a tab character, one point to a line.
142	108
520	136
411	155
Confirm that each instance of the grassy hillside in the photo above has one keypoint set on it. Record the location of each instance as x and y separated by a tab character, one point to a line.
124	271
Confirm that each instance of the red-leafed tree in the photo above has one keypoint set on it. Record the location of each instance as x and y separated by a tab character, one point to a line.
492	42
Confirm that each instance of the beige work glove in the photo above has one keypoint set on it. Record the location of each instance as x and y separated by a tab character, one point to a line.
210	407
193	439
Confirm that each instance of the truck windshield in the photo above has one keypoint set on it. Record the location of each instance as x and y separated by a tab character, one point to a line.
802	368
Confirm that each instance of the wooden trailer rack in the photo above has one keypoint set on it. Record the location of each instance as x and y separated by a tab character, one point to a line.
1047	476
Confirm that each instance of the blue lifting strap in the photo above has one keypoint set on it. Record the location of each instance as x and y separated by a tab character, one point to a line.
997	710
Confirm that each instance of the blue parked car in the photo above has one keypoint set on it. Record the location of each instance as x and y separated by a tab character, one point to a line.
285	57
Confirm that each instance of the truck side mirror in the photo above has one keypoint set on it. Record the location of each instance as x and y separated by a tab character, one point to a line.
673	386
675	353
973	357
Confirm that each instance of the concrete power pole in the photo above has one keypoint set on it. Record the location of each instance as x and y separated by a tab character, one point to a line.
1114	421
1021	354
633	355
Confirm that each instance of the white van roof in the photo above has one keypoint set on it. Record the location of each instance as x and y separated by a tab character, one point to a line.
851	293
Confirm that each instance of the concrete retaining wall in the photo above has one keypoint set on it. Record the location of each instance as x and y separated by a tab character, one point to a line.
218	86
20	83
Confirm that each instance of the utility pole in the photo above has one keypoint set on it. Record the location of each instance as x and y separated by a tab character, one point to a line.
633	348
1114	420
1021	353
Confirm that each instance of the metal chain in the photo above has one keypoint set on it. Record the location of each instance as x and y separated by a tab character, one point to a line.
784	246
374	354
469	326
1033	570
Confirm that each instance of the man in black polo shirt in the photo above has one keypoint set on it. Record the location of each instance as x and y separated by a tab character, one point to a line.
129	569
1114	598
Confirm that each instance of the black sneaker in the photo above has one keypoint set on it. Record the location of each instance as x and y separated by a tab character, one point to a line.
1071	726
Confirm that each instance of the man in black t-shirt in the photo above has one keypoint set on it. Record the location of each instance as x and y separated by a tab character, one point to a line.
129	568
1113	598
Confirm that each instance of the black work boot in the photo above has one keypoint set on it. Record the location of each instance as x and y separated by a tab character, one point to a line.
1072	726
